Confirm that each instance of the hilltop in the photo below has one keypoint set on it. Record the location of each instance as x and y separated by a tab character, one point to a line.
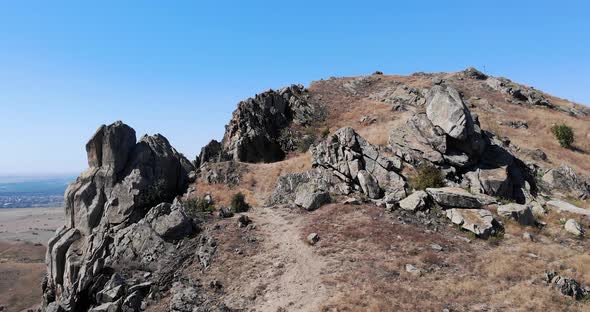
431	192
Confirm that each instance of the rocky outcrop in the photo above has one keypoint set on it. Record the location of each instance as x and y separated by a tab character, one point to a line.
448	134
360	165
212	152
254	132
480	222
520	213
474	73
117	218
565	179
519	93
567	207
450	137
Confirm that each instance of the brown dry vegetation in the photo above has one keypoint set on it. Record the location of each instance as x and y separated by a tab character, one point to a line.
22	268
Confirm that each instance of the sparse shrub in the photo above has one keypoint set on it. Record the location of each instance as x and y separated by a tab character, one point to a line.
306	142
427	175
195	206
564	135
325	133
238	203
378	72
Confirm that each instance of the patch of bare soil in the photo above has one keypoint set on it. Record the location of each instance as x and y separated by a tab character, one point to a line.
22	268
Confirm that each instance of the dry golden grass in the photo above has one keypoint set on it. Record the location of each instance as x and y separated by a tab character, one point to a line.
258	181
368	272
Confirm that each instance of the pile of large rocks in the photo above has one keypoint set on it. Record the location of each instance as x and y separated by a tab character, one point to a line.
118	219
343	163
449	136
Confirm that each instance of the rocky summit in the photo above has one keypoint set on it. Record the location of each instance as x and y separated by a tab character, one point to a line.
428	192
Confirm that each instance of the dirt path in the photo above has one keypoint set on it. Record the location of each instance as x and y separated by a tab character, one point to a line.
299	287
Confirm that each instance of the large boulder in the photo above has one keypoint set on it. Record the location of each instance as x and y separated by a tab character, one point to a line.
455	197
449	136
520	213
480	222
112	218
310	198
445	109
254	132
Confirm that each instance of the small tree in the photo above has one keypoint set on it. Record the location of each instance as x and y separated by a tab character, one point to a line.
427	175
564	135
238	203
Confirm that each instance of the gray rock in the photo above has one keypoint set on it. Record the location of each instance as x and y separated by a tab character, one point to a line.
106	210
313	238
225	212
573	227
52	307
416	201
480	222
253	134
521	213
184	298
458	197
567	286
566	180
567	207
369	184
527	236
436	247
169	221
315	179
345	154
474	73
212	152
516	124
410	268
445	109
310	199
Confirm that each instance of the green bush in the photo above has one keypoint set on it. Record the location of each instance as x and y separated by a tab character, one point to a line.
195	206
564	135
238	203
427	176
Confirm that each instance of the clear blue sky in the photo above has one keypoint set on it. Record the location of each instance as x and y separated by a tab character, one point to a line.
180	68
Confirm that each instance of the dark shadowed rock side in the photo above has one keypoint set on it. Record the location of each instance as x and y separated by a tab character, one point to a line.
119	217
256	131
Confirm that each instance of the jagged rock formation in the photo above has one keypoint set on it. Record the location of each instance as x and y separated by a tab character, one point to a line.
212	152
564	179
254	132
117	219
449	136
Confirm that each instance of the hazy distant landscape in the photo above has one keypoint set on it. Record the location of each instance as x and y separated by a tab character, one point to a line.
30	191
